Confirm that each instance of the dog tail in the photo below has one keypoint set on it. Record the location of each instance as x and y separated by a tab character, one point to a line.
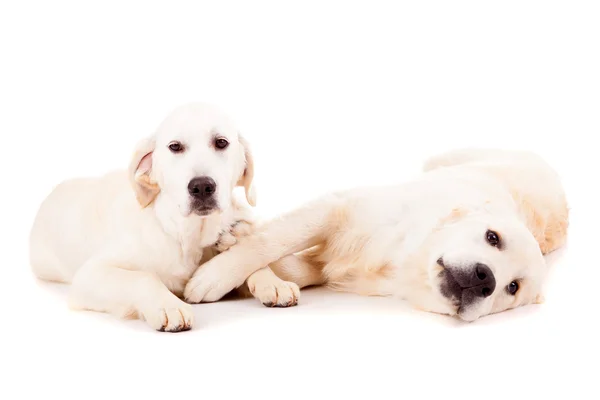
471	155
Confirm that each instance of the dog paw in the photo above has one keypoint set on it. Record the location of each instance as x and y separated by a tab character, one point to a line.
226	240
230	237
175	317
208	285
275	292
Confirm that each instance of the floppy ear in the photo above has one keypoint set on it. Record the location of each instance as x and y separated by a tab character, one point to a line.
548	222
248	175
139	173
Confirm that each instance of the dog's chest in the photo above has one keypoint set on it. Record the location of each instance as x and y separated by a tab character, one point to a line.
175	266
176	258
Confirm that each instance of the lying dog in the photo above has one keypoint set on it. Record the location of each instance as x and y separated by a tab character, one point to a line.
467	238
129	241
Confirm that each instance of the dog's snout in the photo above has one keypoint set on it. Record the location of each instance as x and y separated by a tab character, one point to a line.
202	187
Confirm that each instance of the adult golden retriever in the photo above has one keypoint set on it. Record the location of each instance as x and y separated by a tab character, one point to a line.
466	238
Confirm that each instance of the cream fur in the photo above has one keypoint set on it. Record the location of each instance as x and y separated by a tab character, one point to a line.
129	241
386	240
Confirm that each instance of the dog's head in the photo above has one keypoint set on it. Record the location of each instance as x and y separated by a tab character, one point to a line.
195	159
482	263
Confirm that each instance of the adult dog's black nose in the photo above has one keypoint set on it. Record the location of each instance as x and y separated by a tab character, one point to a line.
483	281
202	187
468	284
479	280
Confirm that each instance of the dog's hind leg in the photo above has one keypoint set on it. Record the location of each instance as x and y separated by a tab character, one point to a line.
100	285
46	266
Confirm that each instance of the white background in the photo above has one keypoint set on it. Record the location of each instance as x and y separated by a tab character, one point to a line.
331	95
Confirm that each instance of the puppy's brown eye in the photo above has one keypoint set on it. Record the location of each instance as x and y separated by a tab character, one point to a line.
221	143
176	147
512	288
492	238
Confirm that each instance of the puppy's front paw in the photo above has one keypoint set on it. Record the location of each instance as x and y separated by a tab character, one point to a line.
230	237
172	316
273	291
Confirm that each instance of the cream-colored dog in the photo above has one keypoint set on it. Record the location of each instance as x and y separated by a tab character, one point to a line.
129	241
466	238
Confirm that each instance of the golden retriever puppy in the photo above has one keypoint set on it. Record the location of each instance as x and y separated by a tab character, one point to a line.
466	238
129	241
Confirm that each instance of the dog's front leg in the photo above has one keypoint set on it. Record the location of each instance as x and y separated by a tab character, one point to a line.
264	285
101	285
292	232
271	290
240	223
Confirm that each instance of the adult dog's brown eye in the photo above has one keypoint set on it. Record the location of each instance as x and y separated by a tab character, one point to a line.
512	288
221	144
492	238
176	147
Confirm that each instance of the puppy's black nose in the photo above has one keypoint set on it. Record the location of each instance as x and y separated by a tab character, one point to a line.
202	187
